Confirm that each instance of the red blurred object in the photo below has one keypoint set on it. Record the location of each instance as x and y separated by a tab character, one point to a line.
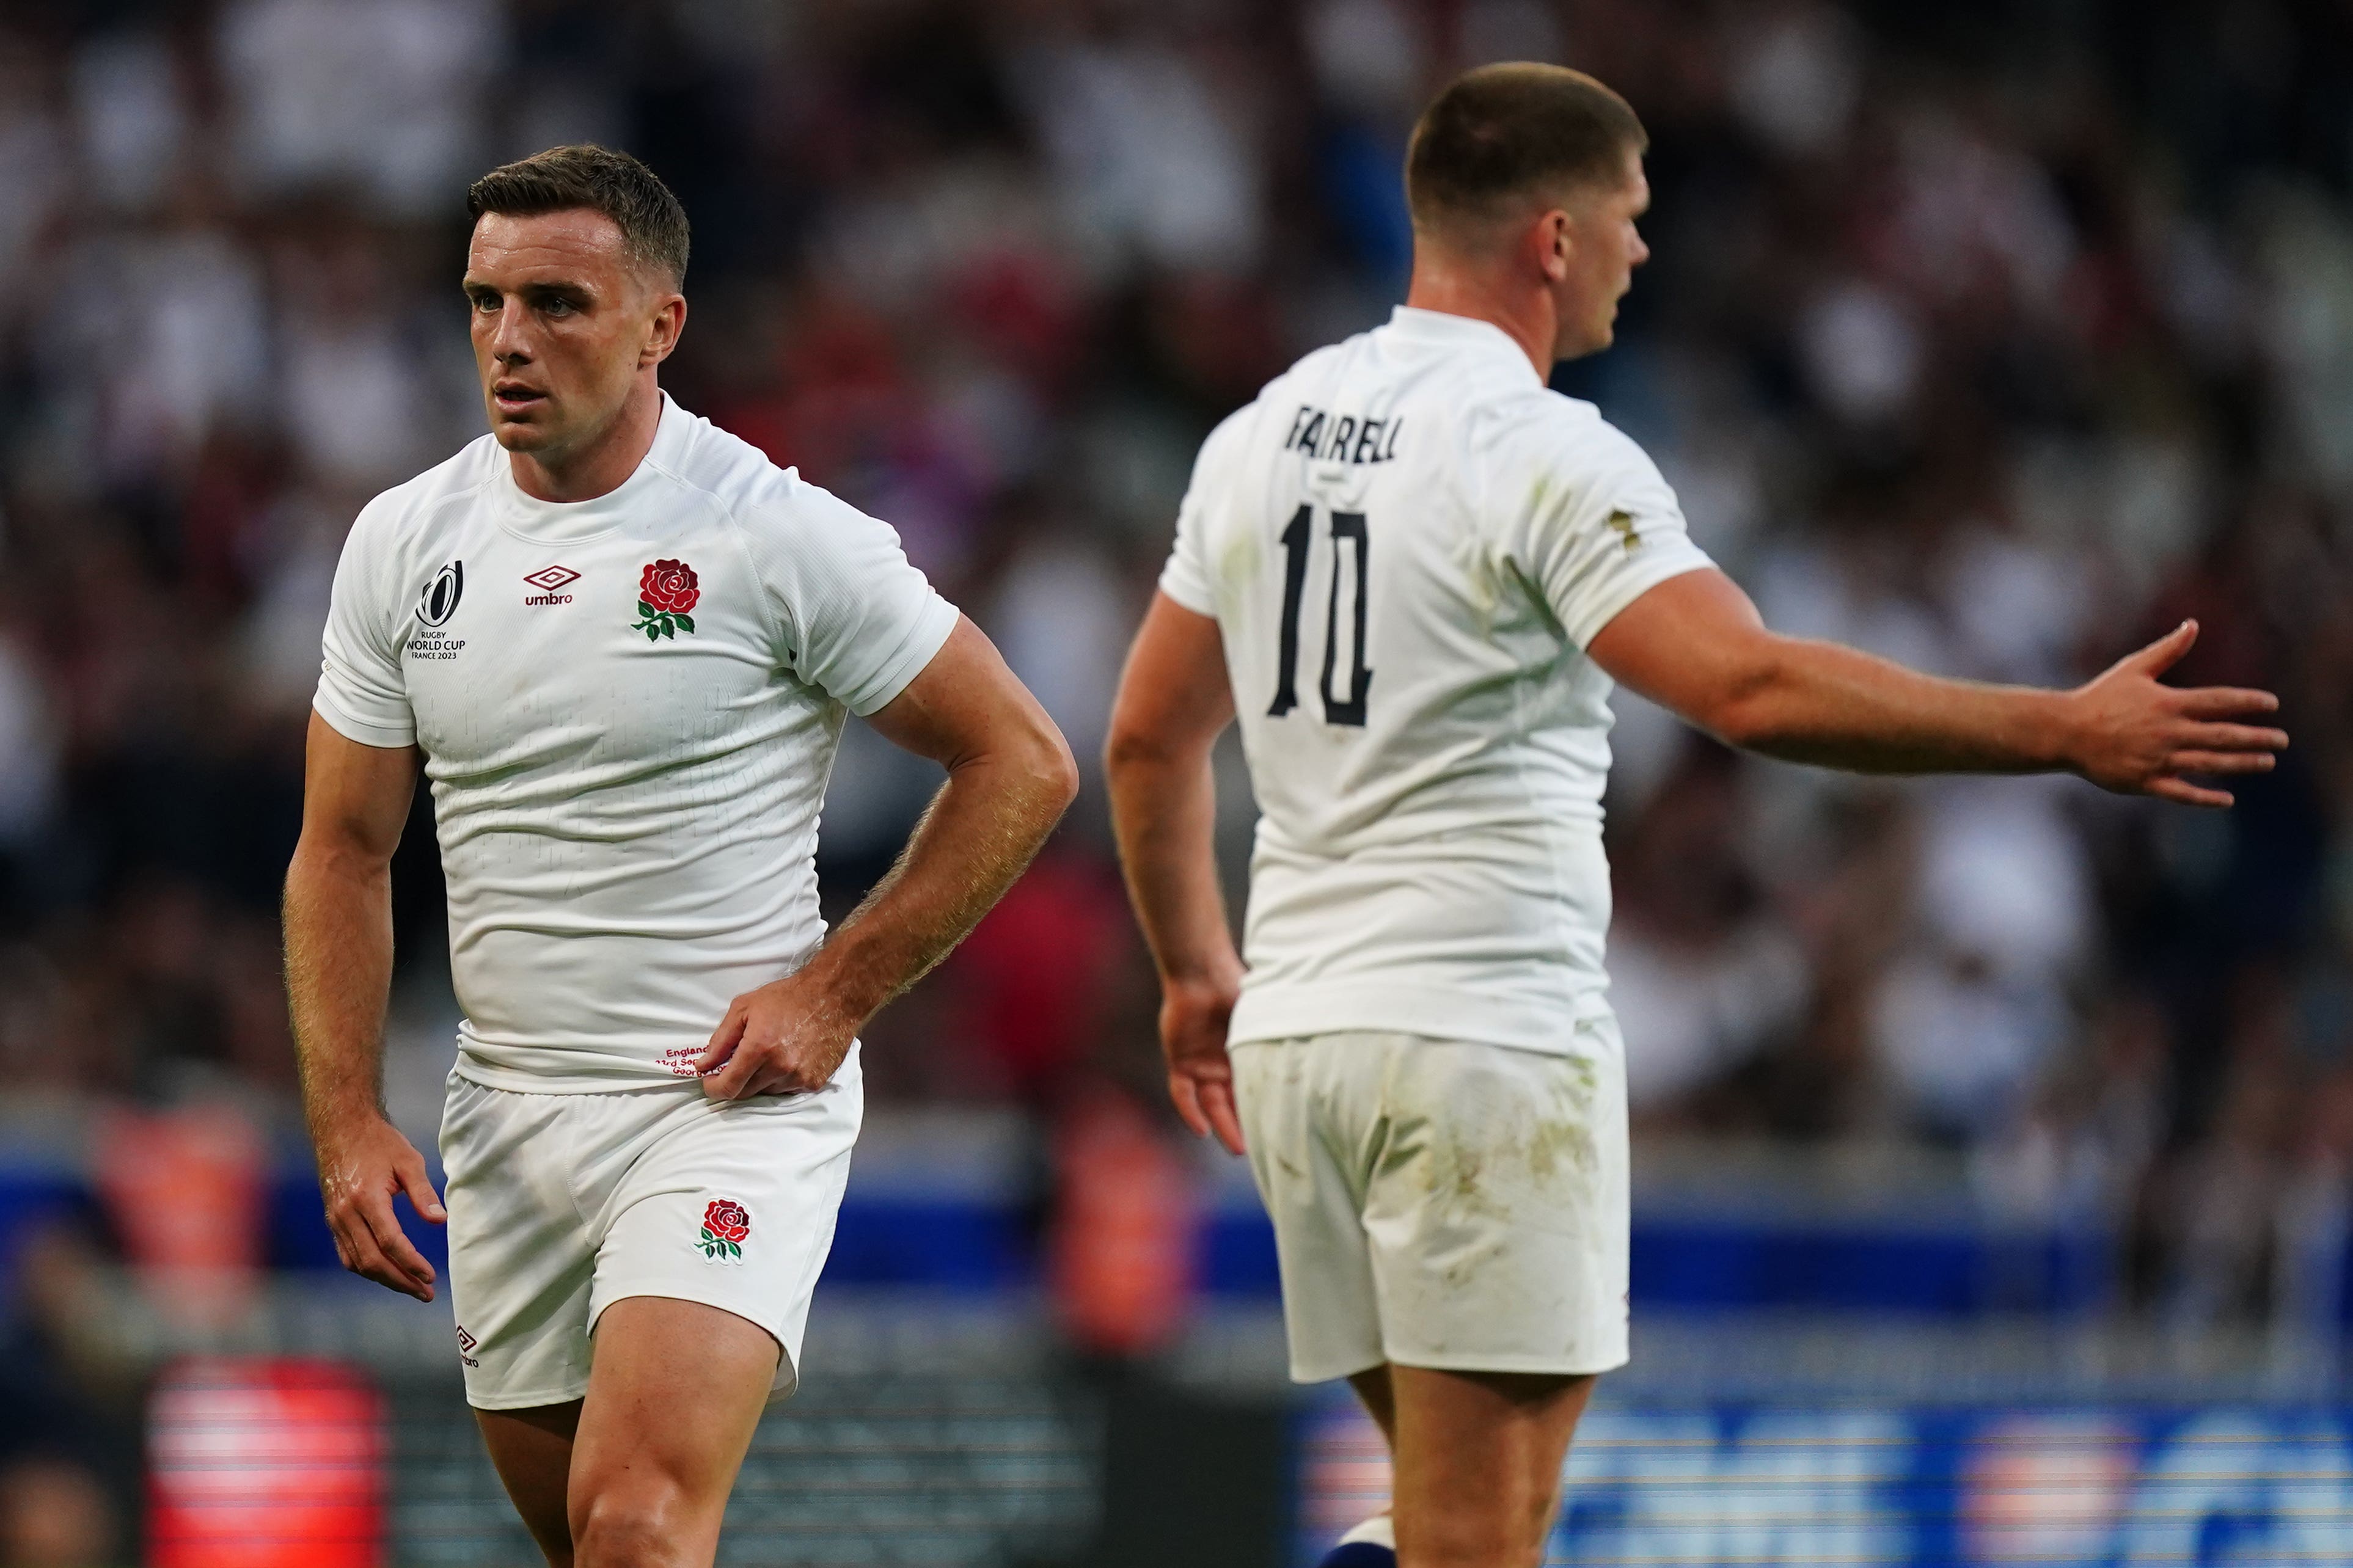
266	1463
184	1190
1033	976
1122	1257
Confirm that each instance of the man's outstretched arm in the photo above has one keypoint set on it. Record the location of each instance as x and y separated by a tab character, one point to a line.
1696	645
1010	777
1174	701
338	919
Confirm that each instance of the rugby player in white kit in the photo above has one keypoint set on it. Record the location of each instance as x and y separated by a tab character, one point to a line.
1414	572
623	644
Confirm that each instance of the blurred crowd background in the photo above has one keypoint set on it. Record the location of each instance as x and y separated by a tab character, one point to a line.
1997	339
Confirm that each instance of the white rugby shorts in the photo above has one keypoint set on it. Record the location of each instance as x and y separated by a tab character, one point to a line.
561	1205
1442	1203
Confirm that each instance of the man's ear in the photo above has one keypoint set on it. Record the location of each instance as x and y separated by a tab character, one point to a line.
669	323
1553	239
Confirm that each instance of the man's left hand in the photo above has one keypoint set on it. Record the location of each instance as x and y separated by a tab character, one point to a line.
786	1037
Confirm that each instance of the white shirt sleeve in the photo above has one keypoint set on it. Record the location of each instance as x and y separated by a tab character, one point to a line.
1600	527
361	694
856	619
1186	578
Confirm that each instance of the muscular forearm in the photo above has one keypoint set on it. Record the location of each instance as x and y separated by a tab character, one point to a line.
983	827
1817	702
338	920
1164	811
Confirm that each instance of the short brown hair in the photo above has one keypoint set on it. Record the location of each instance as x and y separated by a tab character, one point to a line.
653	224
1513	130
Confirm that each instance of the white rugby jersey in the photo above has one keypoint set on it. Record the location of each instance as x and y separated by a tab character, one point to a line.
629	708
1406	542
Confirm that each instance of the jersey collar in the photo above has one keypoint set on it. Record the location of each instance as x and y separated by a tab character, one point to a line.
1459	334
566	523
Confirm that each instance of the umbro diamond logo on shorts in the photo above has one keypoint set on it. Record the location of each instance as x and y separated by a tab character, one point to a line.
466	1345
725	1224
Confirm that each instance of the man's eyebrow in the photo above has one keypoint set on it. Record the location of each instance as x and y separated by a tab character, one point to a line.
540	290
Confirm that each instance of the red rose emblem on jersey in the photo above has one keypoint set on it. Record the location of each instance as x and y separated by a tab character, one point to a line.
667	591
725	1224
670	586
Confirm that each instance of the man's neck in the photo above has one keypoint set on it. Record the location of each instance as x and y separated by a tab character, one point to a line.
1525	315
601	464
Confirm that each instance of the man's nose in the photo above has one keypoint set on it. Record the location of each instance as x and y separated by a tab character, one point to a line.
507	344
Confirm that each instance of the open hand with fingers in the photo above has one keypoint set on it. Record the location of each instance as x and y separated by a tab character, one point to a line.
786	1037
360	1168
1193	1018
2133	734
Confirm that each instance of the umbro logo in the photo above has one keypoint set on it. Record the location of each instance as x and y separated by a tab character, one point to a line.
547	580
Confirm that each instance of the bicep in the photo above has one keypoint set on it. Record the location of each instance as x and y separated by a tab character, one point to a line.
356	797
963	702
1175	695
1694	645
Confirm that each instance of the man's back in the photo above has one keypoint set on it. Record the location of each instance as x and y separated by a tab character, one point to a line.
1405	541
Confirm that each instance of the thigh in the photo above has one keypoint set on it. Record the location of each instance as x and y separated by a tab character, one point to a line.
1496	1211
676	1392
532	1451
1477	1479
1283	1093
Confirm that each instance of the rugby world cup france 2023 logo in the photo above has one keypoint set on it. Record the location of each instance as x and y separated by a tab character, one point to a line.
440	600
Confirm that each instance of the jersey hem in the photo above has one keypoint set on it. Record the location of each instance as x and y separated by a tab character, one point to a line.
623	1075
1183	597
923	645
1632	588
514	1080
384	737
1297	1012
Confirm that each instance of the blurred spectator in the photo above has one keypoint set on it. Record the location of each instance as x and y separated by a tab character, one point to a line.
54	1514
1702	972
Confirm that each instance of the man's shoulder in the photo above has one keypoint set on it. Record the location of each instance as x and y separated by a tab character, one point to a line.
1229	442
1539	426
737	480
461	476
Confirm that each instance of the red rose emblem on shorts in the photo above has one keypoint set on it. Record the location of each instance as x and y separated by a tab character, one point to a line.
725	1224
667	591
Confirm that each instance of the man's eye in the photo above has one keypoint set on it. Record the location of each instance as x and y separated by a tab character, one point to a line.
558	306
486	304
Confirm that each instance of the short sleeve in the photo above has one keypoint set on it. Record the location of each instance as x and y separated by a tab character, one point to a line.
859	621
361	693
1602	527
1186	578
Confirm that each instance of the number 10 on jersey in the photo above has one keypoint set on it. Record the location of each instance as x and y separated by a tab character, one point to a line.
1347	529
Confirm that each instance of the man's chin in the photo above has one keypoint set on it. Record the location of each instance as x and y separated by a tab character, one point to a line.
519	434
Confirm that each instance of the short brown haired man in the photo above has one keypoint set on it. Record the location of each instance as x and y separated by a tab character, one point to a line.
622	643
1413	572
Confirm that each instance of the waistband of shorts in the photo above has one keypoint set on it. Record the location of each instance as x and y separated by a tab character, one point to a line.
1337	1007
470	1067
